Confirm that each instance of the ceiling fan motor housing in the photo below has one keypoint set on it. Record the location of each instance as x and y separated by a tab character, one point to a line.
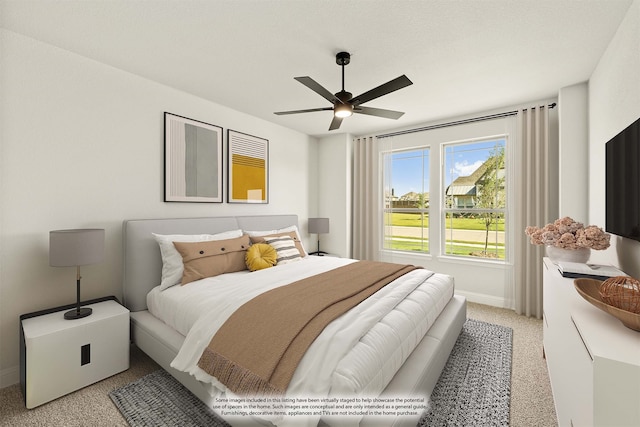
343	58
344	96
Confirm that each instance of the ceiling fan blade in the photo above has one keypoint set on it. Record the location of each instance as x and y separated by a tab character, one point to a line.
311	110
379	112
383	89
319	89
335	123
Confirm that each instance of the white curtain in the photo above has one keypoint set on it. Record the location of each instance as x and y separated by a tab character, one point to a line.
366	212
533	206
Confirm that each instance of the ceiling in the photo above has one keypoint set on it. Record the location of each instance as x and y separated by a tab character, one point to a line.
463	56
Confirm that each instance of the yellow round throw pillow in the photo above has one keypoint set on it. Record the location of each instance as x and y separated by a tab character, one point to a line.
260	255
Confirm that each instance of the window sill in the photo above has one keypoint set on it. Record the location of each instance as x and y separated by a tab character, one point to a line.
418	255
480	262
502	264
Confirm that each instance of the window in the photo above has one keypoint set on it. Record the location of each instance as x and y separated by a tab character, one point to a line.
474	202
468	210
406	200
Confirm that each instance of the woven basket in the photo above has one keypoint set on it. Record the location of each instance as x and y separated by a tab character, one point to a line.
589	289
622	292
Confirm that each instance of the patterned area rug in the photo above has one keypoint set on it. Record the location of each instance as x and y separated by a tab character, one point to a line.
473	389
159	400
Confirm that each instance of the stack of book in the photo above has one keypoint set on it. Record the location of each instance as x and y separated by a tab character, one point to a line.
591	271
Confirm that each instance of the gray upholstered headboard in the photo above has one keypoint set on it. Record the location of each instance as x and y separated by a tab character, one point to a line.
142	265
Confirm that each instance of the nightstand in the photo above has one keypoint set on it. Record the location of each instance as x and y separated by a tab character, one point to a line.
58	356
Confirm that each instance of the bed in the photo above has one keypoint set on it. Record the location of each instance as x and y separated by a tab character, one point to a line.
163	336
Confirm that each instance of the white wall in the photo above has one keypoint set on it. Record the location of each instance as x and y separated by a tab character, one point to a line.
82	146
334	192
573	150
614	103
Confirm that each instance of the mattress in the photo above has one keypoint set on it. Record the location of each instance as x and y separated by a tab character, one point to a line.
357	354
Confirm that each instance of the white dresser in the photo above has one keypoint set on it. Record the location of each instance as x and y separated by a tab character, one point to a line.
593	359
59	356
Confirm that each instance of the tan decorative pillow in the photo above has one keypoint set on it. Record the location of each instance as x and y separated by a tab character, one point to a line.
208	259
172	260
292	234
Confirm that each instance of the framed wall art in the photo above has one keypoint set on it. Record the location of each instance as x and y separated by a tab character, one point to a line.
192	160
248	169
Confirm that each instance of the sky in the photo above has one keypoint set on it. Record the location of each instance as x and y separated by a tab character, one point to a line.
461	159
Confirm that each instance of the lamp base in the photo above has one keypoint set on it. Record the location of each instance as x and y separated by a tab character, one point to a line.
319	253
78	313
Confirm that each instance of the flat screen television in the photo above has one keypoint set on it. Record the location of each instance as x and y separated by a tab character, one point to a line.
623	183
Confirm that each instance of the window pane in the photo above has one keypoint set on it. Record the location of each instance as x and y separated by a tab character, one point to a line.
470	167
408	176
475	199
406	220
472	234
406	231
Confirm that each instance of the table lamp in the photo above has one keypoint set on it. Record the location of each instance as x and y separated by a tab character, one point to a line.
318	226
68	248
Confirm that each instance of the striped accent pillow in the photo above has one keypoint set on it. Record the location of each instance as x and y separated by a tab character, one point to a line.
285	248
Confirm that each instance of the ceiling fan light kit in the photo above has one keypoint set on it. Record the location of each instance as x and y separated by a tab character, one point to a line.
342	110
344	104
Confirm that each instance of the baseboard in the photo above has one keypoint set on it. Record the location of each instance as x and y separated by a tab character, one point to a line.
9	376
483	299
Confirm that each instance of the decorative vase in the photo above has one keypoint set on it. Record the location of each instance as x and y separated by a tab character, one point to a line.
568	255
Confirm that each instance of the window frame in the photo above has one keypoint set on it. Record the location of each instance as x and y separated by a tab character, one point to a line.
444	210
436	236
387	208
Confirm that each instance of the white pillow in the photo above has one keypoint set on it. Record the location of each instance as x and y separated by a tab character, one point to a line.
279	230
172	268
285	248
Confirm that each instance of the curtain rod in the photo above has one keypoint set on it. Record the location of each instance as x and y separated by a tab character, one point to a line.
458	122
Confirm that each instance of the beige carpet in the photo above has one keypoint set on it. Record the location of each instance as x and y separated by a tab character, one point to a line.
531	400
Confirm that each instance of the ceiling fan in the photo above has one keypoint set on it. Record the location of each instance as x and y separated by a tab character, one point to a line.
344	104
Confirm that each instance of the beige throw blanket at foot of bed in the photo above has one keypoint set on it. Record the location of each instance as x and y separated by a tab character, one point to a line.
256	351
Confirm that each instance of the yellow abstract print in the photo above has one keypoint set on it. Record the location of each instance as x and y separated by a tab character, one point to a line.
249	178
248	168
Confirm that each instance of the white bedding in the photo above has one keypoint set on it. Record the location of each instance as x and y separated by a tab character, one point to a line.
368	344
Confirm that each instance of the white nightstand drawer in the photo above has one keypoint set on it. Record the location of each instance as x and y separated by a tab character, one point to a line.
62	355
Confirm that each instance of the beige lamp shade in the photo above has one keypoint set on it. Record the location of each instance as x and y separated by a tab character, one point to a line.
69	248
318	225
